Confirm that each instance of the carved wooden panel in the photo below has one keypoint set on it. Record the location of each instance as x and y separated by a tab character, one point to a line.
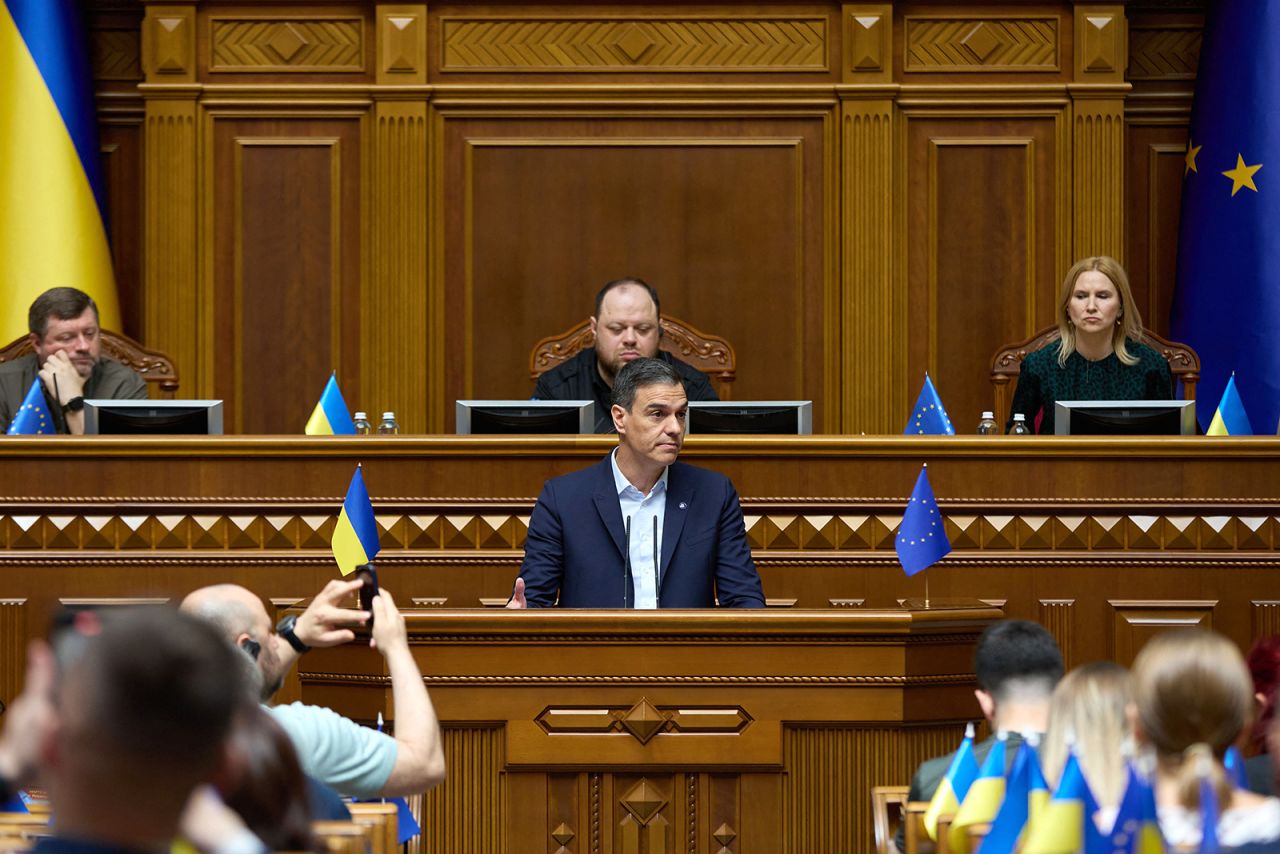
13	647
970	43
1136	621
1264	618
1058	616
314	43
1154	171
958	249
120	153
468	815
286	226
1168	51
116	53
634	44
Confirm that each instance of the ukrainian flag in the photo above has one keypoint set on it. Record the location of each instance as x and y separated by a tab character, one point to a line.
331	416
52	205
1014	813
955	784
984	798
33	418
355	538
1065	824
1230	418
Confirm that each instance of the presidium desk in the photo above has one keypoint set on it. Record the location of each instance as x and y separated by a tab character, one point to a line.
1104	541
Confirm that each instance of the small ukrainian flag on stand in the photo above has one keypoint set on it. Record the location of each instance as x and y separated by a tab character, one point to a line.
331	416
929	417
355	538
955	784
1230	419
33	418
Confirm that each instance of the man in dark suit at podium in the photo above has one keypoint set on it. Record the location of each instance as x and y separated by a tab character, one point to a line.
639	529
627	326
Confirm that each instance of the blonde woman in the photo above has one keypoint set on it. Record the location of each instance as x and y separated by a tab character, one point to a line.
1090	708
1194	699
1099	354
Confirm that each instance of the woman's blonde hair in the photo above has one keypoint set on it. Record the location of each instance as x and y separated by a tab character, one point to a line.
1129	324
1090	707
1194	698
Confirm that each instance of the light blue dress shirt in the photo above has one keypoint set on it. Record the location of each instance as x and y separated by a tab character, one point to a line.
646	541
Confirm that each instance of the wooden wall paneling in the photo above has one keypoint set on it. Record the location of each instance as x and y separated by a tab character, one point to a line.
982	231
1155	165
13	647
170	245
1138	620
1098	130
285	207
395	307
724	214
468	814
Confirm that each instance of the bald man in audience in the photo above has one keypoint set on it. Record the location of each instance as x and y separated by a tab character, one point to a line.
351	759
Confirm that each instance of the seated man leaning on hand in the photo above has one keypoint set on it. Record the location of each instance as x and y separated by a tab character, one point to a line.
627	325
68	359
639	529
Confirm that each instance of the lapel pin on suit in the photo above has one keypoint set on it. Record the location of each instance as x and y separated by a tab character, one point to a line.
683	505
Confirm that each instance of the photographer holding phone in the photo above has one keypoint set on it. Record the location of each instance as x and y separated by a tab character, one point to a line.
352	759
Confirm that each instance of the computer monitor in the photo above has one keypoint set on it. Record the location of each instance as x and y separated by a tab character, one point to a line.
1125	418
153	417
526	416
750	417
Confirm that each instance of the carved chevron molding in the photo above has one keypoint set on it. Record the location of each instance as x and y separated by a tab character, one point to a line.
1164	53
981	44
286	44
635	44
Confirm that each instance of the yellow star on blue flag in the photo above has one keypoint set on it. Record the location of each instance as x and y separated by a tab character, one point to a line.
922	538
929	417
33	418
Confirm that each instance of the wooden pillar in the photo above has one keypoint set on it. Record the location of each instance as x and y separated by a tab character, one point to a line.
873	299
171	296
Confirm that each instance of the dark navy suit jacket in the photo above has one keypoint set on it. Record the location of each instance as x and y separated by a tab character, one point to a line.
577	541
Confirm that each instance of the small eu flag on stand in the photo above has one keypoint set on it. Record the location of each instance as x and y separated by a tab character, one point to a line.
922	538
33	418
929	417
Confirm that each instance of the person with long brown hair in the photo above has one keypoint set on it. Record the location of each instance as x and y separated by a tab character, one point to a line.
1099	353
1194	699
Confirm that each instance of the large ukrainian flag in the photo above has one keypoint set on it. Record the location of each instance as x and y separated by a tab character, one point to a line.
52	205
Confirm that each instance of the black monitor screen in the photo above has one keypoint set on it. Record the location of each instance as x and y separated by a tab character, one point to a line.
1125	418
154	417
785	418
515	417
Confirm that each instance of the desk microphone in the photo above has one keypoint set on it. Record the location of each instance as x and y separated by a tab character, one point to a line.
656	558
626	563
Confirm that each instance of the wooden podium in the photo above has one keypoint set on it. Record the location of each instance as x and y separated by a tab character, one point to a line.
582	732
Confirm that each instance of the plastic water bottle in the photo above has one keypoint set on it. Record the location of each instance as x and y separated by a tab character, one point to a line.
1020	427
987	425
363	427
388	427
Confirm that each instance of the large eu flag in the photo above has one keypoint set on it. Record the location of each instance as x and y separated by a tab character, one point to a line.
52	200
1227	301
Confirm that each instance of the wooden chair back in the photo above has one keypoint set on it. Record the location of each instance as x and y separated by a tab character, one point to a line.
1006	364
343	837
710	354
383	821
887	803
156	368
915	838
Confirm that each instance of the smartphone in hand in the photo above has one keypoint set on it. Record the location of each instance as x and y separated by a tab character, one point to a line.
367	573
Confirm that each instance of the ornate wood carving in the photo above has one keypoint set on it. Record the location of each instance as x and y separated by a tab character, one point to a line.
870	41
1164	52
469	815
972	43
631	44
115	54
1137	620
402	43
1098	185
1058	616
13	647
171	43
314	43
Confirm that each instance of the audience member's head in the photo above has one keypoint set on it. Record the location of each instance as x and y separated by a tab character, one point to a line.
1018	663
1090	709
270	791
66	319
1264	666
143	713
626	325
1193	697
243	621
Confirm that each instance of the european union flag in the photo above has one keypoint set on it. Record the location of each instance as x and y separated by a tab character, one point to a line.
929	417
1227	301
922	538
33	418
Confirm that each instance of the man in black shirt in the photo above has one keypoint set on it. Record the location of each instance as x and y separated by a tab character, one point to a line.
626	328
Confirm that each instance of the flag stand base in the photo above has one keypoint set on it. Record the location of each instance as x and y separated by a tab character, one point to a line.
938	604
